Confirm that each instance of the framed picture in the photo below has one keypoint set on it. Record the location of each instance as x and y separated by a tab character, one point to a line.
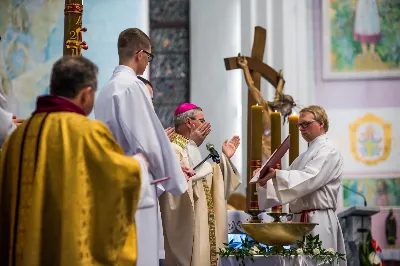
361	39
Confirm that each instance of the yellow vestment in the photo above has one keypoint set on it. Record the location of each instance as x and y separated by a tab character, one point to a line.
67	194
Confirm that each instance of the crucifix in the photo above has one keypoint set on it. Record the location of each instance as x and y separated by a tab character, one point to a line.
257	69
73	28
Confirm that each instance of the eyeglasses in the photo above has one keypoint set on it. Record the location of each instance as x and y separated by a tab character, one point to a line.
149	55
305	124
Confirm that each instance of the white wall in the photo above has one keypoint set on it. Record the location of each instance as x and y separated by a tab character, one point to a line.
214	35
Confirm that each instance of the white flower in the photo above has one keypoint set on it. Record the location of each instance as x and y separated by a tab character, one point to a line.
374	259
299	251
254	250
315	251
331	250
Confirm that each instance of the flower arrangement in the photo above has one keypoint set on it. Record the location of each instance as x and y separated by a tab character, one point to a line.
310	246
367	252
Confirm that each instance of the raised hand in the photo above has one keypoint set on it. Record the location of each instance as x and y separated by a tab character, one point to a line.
170	133
229	147
200	133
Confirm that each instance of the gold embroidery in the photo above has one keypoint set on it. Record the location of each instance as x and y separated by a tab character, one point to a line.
211	223
180	140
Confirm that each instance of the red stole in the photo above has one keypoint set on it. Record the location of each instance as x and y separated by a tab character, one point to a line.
51	104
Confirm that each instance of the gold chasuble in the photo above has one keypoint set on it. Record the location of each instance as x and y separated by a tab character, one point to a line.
195	223
67	193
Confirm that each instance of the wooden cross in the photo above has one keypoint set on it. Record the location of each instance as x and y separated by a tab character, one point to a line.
257	69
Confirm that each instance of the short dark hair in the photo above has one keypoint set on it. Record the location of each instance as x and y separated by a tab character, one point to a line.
130	41
70	74
145	81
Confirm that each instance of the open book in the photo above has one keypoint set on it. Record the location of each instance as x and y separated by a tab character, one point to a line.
273	159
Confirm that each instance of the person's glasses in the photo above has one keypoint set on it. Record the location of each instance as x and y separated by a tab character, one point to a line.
149	55
305	124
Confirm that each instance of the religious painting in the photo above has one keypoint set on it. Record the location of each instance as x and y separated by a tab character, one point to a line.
361	39
368	139
382	192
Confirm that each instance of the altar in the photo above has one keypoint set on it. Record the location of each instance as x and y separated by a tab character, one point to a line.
272	260
240	237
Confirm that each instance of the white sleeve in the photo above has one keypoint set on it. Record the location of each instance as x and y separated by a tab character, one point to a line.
144	133
232	178
6	125
147	197
267	197
294	184
160	190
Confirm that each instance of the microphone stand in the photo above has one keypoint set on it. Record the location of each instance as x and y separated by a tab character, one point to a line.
213	157
361	230
358	193
208	157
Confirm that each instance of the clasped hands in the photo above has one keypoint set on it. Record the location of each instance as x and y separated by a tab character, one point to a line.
198	135
265	175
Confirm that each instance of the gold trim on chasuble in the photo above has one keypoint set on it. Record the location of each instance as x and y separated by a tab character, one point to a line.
26	177
211	223
182	142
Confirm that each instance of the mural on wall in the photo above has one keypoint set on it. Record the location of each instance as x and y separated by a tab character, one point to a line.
378	192
369	140
361	39
32	35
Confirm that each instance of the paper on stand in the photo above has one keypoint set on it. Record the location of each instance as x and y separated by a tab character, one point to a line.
274	159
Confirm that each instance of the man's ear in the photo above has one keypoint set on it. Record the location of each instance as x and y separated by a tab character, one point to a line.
187	122
85	94
322	124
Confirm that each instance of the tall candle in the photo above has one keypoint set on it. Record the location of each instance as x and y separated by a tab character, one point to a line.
256	152
294	138
275	143
256	132
275	130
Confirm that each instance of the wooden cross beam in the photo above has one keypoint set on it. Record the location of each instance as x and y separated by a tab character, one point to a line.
257	69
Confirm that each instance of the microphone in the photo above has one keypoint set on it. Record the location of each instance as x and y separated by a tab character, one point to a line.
214	154
358	193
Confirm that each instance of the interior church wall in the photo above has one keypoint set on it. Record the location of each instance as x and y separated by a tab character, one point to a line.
215	34
351	103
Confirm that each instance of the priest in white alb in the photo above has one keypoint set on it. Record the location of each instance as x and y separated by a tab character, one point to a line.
195	223
311	185
124	104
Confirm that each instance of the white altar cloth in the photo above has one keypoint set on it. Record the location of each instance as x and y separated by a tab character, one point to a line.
272	260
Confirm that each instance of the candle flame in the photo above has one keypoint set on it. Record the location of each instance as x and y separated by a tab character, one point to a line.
294	113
